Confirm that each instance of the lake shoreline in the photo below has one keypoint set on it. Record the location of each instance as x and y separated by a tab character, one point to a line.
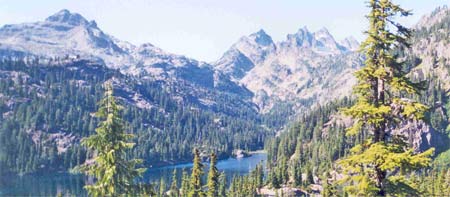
53	183
185	162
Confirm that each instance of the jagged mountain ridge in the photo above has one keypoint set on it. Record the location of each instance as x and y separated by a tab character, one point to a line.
69	36
430	47
250	70
307	66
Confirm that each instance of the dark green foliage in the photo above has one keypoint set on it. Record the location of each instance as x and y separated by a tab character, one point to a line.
313	142
274	180
246	185
174	191
196	185
439	30
223	185
432	182
47	101
213	177
328	190
379	165
162	188
114	173
185	186
258	175
296	174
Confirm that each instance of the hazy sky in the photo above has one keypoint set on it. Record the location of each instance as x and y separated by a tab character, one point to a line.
205	29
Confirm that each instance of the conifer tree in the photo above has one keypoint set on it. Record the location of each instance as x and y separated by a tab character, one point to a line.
297	173
233	187
328	189
196	177
185	187
378	165
223	185
114	173
213	177
162	187
309	177
174	185
259	176
274	181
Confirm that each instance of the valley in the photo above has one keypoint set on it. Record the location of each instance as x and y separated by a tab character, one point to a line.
291	98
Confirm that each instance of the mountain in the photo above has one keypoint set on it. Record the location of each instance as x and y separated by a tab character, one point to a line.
429	59
350	43
305	68
255	72
51	76
317	140
63	34
55	69
69	36
430	51
46	109
245	54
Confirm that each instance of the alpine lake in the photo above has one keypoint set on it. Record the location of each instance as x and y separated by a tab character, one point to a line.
66	184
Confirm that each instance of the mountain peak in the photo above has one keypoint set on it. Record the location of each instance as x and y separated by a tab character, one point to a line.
304	29
262	38
323	31
147	45
350	43
324	35
302	33
261	32
433	18
65	16
301	38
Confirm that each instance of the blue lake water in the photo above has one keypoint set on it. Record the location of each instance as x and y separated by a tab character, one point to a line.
51	184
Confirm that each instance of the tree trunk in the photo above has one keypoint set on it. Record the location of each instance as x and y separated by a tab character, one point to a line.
380	176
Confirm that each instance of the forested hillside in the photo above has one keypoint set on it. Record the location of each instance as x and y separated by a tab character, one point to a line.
75	98
311	145
47	109
305	155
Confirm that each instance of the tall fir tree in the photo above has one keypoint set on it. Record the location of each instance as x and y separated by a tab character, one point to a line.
259	175
174	185
223	185
162	187
114	173
185	186
213	177
196	185
328	189
378	165
297	174
274	180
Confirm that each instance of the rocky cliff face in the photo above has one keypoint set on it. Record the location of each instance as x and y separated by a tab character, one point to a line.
422	136
311	67
65	37
431	47
427	59
245	54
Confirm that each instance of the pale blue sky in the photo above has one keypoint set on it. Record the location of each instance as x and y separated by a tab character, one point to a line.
204	29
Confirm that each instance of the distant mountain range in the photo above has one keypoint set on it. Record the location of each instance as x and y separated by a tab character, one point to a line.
306	66
176	103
